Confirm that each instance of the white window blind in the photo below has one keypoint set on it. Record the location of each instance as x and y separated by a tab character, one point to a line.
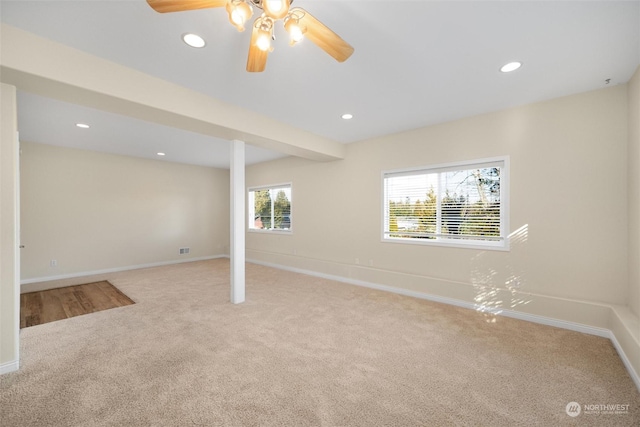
270	208
461	204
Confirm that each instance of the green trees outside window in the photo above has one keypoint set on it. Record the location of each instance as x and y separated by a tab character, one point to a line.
270	208
446	204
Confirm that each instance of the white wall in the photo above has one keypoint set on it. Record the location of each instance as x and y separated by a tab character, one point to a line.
634	193
568	199
9	323
92	211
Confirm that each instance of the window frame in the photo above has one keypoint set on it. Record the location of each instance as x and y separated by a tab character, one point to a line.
499	245
288	231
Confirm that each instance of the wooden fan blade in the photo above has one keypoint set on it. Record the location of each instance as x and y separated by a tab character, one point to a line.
164	6
257	60
323	37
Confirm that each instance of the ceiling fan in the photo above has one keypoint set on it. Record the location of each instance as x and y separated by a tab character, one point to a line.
297	22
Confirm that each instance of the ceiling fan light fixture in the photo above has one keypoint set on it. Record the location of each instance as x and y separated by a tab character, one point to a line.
239	13
298	23
264	42
293	27
264	25
276	9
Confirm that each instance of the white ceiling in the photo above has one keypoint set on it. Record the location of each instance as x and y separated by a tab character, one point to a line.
416	63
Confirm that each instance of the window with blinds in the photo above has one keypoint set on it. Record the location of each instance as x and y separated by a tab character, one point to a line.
270	208
461	204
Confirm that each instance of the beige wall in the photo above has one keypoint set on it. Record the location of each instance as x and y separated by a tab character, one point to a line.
634	193
92	211
8	237
568	199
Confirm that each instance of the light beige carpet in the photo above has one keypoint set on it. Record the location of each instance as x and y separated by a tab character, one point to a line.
303	351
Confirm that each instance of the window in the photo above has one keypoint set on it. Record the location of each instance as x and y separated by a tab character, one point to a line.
461	204
270	208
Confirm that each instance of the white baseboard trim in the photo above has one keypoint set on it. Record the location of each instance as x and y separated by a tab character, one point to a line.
562	324
625	360
117	269
572	326
5	368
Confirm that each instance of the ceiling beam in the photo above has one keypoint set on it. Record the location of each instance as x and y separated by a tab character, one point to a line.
47	68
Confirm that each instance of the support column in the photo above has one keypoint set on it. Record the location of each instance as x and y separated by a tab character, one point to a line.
238	222
9	226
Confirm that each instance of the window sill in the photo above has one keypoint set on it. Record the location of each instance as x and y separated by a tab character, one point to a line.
265	231
489	246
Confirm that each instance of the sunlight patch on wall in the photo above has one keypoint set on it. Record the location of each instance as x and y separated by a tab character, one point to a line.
498	288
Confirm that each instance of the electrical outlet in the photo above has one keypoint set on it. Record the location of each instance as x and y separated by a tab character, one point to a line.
184	251
370	263
53	263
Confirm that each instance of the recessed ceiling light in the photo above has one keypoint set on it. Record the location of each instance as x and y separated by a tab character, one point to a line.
193	40
347	116
82	125
160	154
511	66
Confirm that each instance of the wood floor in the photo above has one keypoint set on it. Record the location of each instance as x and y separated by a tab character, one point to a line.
55	304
